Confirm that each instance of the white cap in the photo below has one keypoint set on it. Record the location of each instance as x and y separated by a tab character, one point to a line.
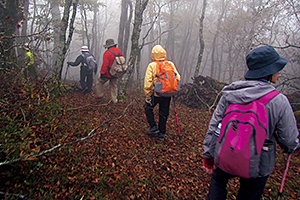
84	48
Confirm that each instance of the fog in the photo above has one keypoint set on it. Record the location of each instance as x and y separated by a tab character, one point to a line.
231	29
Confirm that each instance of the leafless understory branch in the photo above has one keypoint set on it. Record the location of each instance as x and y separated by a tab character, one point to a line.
91	134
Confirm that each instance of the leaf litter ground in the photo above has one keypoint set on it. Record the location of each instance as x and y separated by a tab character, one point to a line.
122	162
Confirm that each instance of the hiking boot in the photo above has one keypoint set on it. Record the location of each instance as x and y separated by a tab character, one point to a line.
84	91
99	98
87	91
161	136
152	131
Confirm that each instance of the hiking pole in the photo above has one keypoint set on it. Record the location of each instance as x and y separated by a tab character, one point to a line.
176	118
284	175
66	72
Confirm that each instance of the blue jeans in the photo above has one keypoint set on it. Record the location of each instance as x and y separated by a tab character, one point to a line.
250	189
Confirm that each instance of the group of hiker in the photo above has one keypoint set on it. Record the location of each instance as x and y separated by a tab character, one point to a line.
250	119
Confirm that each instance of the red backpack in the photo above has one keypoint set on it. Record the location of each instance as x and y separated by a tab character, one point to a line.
242	137
166	84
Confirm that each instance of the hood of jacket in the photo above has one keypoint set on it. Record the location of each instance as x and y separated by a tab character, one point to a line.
158	53
246	91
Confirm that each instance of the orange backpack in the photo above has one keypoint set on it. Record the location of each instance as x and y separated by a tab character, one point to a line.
166	84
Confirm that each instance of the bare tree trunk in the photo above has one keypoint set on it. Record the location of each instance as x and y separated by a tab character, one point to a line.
84	18
23	32
94	34
187	41
123	19
201	38
25	24
134	59
64	40
171	39
56	27
127	29
214	46
220	63
13	10
34	16
124	26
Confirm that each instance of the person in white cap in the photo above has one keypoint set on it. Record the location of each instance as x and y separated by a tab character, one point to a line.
86	76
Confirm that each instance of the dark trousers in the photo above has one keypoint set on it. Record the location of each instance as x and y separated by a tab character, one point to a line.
86	79
250	189
164	105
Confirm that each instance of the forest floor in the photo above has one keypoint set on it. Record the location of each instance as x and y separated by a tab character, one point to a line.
122	162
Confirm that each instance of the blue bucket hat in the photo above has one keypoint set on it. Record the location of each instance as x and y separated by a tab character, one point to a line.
264	61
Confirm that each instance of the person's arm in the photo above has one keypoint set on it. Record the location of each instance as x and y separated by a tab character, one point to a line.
213	125
148	81
105	63
208	160
78	60
286	128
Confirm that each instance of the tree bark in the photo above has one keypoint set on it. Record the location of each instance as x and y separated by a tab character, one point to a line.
124	26
214	45
134	59
201	39
171	39
54	4
63	39
10	15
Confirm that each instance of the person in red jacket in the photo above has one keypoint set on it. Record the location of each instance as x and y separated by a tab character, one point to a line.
108	59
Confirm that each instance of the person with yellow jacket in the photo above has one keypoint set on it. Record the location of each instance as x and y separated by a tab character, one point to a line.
152	98
30	72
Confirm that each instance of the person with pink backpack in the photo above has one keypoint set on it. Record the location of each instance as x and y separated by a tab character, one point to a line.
249	120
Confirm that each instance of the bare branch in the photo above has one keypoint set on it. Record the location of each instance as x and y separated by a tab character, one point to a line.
161	35
90	135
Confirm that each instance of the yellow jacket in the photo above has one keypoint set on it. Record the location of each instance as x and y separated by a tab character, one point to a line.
158	53
29	58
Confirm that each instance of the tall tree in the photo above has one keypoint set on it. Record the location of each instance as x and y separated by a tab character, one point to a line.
134	59
201	39
55	12
170	44
63	39
214	45
124	26
10	15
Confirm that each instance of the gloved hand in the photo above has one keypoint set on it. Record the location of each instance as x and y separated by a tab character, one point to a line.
68	62
297	150
208	165
148	100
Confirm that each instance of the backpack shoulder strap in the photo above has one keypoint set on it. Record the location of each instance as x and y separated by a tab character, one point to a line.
84	58
266	98
113	52
157	65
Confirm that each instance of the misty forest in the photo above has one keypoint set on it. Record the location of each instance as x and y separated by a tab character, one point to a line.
58	143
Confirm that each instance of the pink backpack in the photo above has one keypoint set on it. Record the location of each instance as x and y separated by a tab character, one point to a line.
242	136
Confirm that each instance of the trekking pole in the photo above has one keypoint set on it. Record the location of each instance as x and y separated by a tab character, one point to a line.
66	72
284	176
176	118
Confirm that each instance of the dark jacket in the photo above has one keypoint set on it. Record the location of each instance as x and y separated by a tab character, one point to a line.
80	60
